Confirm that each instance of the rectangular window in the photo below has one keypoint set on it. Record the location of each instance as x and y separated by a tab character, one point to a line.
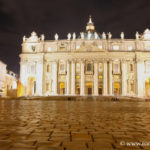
100	77
77	77
116	68
89	67
62	68
116	47
62	48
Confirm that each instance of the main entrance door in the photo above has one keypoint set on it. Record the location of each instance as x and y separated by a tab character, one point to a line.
78	89
100	90
147	87
62	88
31	86
116	88
89	88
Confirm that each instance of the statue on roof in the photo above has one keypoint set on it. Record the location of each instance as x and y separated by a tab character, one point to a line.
103	35
137	35
69	36
95	35
56	36
42	37
109	35
74	36
24	38
122	35
33	37
82	35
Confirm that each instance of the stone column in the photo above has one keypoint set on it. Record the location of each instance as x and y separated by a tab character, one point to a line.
110	77
124	78
68	78
73	78
95	78
39	78
82	82
54	69
105	90
140	78
23	72
23	78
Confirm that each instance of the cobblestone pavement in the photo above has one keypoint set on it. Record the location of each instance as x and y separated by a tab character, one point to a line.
74	125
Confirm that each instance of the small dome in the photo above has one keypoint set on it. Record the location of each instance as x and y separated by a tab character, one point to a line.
146	35
33	33
33	37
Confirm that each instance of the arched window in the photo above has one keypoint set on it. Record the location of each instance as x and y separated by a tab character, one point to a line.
89	67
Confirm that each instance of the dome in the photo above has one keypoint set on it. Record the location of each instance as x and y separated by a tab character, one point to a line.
90	25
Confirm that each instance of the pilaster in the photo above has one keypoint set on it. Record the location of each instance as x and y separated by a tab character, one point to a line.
105	90
96	78
82	78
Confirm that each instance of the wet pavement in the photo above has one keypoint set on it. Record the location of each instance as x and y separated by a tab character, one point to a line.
74	125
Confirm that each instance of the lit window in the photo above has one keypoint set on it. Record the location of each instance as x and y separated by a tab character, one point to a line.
100	46
115	47
62	48
130	48
100	77
89	67
116	67
77	77
78	46
49	49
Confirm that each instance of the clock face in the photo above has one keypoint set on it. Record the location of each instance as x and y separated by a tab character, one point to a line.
33	48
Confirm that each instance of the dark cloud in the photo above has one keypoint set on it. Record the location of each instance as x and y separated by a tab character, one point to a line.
21	17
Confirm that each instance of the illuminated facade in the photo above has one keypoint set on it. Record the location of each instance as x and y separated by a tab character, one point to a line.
11	84
3	71
92	64
8	81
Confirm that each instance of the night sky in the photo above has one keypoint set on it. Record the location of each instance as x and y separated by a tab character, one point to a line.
21	17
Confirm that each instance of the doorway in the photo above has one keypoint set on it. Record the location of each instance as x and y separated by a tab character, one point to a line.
100	90
89	88
147	87
116	88
77	89
62	88
31	86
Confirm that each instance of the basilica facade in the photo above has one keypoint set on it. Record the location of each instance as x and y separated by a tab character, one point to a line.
89	64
